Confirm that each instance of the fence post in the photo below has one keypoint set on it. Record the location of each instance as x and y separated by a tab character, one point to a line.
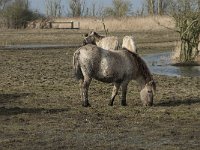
72	24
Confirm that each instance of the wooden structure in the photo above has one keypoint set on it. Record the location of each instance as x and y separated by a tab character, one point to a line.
65	25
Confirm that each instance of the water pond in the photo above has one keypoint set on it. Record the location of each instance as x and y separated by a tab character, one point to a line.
160	63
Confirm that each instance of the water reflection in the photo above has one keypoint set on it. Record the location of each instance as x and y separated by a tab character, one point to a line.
160	64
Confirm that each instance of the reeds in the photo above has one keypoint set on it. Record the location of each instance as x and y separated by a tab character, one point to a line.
125	24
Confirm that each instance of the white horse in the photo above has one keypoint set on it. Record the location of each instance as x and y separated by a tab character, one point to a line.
107	43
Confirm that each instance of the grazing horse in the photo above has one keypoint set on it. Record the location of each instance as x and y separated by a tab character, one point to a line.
117	67
107	43
129	44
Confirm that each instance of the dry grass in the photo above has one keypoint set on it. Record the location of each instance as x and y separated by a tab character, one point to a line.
40	106
146	40
39	36
125	24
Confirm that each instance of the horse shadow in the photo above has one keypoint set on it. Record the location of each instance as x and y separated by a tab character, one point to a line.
8	111
6	98
178	102
17	110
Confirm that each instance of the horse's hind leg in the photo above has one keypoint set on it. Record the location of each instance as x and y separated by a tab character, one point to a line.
84	91
124	91
81	88
114	93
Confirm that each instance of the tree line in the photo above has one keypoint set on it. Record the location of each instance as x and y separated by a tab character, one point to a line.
16	13
121	8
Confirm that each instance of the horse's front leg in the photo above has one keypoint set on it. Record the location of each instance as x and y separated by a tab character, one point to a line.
124	92
84	91
114	93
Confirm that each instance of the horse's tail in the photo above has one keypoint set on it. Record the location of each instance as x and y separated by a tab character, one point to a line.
76	66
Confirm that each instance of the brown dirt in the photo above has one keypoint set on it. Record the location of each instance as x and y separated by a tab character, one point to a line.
40	108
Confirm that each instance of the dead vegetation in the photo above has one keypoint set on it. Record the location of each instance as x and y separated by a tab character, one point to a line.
117	24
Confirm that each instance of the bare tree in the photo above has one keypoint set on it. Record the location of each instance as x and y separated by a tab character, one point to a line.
120	8
187	20
158	7
198	3
15	13
150	6
53	8
162	6
93	9
2	4
77	7
97	8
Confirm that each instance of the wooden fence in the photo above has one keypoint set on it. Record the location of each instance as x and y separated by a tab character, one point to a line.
65	25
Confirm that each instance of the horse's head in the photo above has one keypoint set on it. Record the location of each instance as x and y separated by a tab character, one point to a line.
147	93
89	39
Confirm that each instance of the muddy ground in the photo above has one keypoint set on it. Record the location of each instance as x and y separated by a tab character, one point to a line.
40	106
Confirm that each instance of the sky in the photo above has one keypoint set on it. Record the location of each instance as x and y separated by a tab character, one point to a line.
39	5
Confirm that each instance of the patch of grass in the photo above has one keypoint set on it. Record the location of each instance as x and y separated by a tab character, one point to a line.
147	41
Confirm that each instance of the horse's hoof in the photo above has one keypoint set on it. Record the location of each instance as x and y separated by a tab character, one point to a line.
124	104
110	104
86	105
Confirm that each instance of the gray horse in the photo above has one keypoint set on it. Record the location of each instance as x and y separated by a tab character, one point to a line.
117	67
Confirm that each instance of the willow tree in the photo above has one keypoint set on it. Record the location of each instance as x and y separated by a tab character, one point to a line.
187	19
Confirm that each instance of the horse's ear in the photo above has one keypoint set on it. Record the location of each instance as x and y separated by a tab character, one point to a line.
92	32
95	33
151	82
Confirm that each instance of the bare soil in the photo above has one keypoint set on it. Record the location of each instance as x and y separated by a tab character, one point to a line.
40	106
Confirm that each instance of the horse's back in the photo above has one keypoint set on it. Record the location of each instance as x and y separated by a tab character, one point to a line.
109	43
90	52
105	65
89	57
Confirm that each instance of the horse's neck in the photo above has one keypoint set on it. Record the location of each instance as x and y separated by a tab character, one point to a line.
99	41
141	81
98	37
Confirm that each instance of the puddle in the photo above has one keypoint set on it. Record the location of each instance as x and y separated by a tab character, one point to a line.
159	63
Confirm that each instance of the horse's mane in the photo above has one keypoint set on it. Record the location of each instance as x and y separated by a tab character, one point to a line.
98	36
142	67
